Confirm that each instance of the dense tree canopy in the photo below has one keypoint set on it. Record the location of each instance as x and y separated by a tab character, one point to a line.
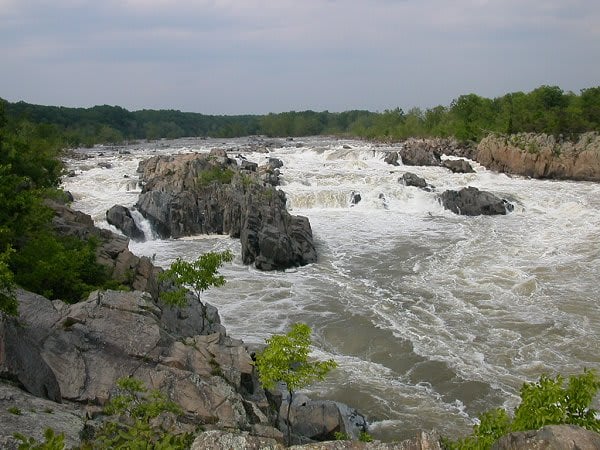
546	109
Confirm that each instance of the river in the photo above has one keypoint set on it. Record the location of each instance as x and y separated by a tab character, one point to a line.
432	317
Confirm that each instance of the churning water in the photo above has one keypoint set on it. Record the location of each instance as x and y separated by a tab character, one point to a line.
432	317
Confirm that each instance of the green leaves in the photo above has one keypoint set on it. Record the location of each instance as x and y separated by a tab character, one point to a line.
286	359
197	276
545	402
8	301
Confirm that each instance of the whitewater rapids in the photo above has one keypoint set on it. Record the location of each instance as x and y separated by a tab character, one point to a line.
432	317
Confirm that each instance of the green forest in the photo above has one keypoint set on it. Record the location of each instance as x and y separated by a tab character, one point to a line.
547	109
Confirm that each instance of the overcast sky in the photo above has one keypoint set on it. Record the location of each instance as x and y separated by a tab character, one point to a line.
260	56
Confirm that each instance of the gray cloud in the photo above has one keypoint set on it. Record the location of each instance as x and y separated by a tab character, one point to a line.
256	56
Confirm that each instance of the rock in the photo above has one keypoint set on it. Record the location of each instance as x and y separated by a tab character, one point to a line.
542	156
346	147
419	153
458	165
355	198
89	345
410	179
244	207
392	158
105	165
222	440
551	437
470	201
31	416
275	163
249	166
121	217
21	360
112	252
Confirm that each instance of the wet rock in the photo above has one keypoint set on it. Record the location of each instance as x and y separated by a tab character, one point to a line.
121	217
392	158
410	179
249	166
346	147
275	163
470	201
551	437
105	165
458	165
355	198
243	206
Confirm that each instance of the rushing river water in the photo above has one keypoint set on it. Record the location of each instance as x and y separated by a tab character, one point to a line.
432	317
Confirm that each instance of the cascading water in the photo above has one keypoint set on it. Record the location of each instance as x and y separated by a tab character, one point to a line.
432	317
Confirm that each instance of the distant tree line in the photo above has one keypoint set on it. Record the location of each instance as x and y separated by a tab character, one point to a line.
547	109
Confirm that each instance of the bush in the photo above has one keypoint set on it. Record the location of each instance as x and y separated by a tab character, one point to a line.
216	174
545	402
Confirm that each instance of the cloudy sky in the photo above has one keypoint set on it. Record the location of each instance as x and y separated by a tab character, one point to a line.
259	56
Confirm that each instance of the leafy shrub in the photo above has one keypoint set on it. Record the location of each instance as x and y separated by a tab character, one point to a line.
545	402
216	174
52	441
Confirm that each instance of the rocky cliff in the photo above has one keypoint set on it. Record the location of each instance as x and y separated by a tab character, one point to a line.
542	156
204	194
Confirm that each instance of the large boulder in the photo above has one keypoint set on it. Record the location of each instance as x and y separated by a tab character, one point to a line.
458	165
551	437
320	420
428	152
121	217
470	201
179	201
411	179
392	158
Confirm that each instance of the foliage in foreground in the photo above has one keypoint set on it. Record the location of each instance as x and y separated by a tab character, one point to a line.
285	358
196	276
134	426
546	402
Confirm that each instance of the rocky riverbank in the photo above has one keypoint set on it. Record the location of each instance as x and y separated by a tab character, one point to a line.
529	154
542	156
59	363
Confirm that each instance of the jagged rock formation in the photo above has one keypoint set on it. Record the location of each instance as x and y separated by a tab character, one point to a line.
458	165
428	152
542	156
112	252
551	437
208	194
392	158
470	201
121	217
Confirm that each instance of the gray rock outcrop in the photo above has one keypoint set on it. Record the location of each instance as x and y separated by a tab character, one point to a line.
89	345
551	437
121	217
411	179
470	201
112	252
198	194
392	158
31	416
458	165
428	152
542	156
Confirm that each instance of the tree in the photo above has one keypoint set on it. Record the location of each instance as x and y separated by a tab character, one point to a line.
8	301
285	358
196	276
